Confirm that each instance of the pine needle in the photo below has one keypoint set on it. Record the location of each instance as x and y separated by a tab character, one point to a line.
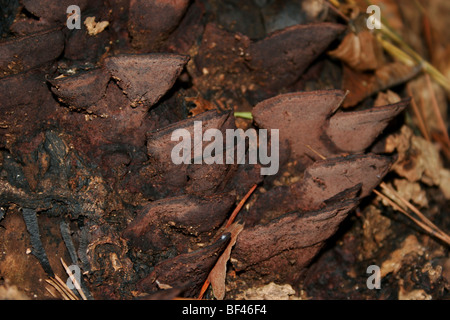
62	288
240	205
229	222
244	115
393	198
316	152
74	280
436	109
421	122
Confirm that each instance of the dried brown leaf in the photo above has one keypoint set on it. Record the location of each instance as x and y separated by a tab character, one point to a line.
411	191
218	273
423	97
418	159
360	51
388	97
362	85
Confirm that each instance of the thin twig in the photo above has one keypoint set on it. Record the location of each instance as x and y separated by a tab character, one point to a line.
51	292
424	222
229	222
316	152
63	285
239	206
62	288
333	7
422	112
74	280
55	285
410	206
398	208
204	288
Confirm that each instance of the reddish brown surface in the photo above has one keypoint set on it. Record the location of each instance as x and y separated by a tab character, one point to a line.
85	138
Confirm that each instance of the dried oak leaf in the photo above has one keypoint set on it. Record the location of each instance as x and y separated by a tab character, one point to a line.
145	78
309	121
26	52
174	271
418	159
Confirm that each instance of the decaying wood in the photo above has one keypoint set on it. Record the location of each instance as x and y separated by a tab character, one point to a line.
280	58
86	140
148	34
81	90
145	78
23	53
176	221
190	178
288	243
314	117
197	264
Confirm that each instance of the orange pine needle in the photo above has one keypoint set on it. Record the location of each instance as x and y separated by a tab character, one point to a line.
229	222
239	206
203	290
422	222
